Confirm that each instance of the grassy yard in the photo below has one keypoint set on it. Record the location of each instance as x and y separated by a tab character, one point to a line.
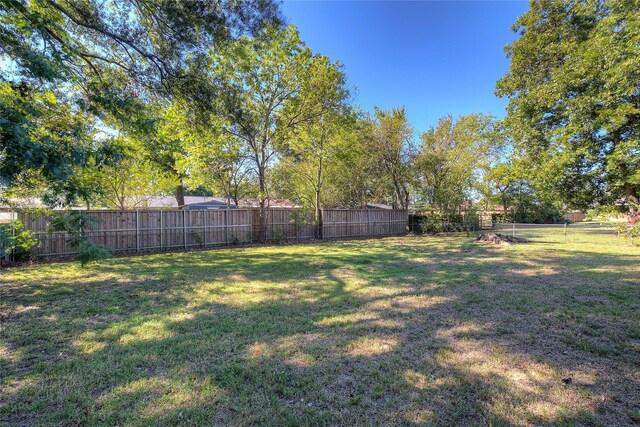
408	330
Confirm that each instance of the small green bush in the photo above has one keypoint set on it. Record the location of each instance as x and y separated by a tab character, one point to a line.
604	213
434	223
627	230
76	224
16	241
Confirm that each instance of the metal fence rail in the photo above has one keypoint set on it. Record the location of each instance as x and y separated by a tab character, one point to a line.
587	232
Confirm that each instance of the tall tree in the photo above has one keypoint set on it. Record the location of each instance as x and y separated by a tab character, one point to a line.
276	84
450	157
574	98
131	178
307	163
391	143
163	142
218	163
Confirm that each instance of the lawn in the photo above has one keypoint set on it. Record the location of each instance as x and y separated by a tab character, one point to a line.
406	330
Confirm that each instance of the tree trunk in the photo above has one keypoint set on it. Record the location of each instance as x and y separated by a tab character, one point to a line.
318	213
632	200
262	233
504	207
180	195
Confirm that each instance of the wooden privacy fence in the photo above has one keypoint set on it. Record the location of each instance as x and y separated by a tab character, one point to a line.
341	223
156	230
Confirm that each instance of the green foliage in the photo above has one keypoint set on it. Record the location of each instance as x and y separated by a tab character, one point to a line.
620	228
531	211
309	166
471	220
232	239
40	133
573	99
153	46
68	65
509	188
627	230
604	212
197	237
77	225
275	84
16	241
451	158
433	222
392	153
217	163
129	179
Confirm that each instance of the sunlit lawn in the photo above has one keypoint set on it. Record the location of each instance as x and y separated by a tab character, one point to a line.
408	330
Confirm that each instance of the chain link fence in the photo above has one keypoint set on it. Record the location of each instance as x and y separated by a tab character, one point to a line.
588	232
581	232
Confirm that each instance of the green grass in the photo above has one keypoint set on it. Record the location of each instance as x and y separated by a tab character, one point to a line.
408	330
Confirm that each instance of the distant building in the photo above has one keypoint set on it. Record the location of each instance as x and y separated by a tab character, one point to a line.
214	203
203	202
6	214
270	203
378	206
190	202
574	216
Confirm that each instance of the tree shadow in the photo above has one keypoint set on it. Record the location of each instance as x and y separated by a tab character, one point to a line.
395	331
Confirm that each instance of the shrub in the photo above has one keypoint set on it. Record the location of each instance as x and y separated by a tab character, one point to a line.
16	241
535	213
435	223
627	230
604	213
76	224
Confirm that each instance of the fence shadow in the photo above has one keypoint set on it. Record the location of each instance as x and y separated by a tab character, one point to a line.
419	330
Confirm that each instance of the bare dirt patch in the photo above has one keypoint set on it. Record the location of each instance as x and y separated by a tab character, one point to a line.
497	239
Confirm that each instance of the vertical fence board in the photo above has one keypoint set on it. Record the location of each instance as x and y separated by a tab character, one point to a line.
171	229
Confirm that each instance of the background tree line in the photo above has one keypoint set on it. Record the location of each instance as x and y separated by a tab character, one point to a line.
105	107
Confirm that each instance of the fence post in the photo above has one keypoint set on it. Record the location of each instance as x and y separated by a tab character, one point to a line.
137	230
184	227
204	227
369	222
226	226
14	217
161	229
513	225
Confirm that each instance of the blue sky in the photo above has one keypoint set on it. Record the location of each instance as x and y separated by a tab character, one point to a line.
433	57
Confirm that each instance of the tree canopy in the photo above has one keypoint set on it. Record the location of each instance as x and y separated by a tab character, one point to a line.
103	58
574	98
104	103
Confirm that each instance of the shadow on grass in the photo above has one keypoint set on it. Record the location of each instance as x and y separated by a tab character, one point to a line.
396	331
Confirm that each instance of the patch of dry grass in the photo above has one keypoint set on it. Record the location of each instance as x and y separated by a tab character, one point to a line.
414	330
